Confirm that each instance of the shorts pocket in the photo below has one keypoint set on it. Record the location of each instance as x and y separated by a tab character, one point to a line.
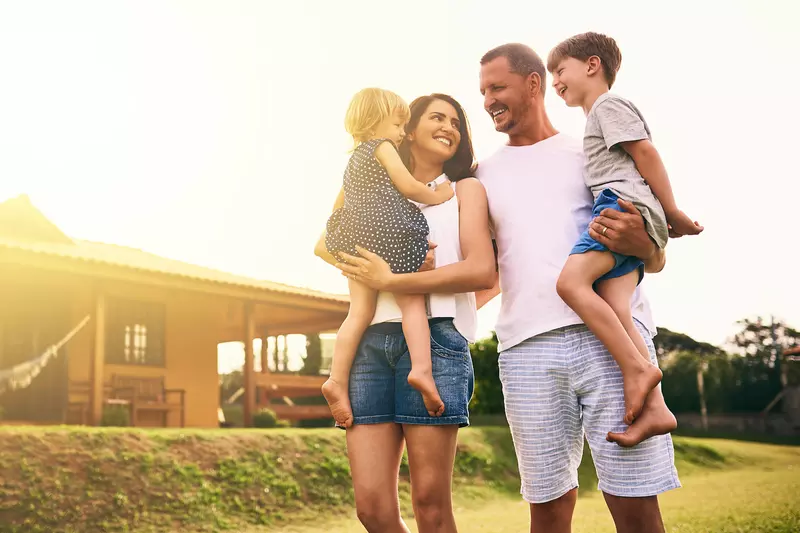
447	342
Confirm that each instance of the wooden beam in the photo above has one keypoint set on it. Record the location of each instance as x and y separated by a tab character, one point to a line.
300	412
97	369
249	366
290	381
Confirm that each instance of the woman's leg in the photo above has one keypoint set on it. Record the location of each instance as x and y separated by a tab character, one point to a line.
431	455
418	335
575	286
336	389
375	452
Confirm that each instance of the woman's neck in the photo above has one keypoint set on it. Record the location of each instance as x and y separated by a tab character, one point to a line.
425	172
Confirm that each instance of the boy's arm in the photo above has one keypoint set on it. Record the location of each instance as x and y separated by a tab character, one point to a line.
405	182
652	169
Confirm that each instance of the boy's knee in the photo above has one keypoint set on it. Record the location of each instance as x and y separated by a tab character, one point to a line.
567	286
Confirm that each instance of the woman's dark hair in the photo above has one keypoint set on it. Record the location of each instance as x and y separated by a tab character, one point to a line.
462	164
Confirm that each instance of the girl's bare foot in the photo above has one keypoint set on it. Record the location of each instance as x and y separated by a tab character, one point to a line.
423	382
338	397
656	419
636	388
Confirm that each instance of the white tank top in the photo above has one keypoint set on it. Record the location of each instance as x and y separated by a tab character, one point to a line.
444	231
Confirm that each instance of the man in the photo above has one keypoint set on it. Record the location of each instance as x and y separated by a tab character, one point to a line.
559	382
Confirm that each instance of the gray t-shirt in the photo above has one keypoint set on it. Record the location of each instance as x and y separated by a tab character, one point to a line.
613	120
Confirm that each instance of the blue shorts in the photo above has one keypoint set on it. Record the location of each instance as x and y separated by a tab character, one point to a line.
379	389
623	264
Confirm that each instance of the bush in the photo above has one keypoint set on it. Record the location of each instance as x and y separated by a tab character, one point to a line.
234	415
265	418
116	415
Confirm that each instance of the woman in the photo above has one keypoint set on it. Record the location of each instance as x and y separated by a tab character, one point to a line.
386	410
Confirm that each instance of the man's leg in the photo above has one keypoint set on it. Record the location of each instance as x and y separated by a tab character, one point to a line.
635	515
544	416
630	478
554	516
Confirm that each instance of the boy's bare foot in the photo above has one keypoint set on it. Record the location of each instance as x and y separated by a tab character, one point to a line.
423	382
636	388
338	397
656	419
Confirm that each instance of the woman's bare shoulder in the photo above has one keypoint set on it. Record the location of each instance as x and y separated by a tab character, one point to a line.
470	185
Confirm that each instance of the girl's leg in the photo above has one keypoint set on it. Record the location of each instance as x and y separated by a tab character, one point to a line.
375	452
431	455
418	337
575	288
336	389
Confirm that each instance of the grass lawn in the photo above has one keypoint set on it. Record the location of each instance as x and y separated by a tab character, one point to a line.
756	489
93	480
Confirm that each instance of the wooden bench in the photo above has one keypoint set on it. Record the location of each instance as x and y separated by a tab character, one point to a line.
78	400
147	394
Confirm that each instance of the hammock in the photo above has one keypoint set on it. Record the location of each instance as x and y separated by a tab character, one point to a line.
21	375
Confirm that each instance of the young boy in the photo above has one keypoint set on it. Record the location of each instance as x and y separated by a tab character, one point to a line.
621	163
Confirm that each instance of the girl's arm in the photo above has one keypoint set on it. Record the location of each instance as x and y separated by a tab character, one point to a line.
474	273
320	250
405	182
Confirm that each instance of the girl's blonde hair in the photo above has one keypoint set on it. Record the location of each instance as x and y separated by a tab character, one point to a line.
368	108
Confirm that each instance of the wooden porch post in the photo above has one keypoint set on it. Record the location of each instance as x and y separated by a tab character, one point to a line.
264	353
249	365
97	370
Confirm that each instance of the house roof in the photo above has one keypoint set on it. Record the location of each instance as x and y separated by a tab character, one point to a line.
27	230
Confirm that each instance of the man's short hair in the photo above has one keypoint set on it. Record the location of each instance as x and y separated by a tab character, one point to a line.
583	47
521	58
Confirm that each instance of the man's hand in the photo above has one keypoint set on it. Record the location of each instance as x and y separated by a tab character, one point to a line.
624	233
430	258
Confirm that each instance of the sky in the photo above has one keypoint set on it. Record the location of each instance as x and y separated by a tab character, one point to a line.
212	132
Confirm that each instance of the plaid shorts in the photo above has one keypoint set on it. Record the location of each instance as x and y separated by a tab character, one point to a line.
559	386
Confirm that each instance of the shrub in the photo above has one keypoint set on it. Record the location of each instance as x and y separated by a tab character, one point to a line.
265	418
115	415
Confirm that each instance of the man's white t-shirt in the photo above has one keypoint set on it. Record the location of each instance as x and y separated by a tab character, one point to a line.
539	205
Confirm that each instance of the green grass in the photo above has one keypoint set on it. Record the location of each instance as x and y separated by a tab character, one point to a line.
112	479
728	487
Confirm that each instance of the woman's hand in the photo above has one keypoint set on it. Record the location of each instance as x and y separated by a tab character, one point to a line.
369	269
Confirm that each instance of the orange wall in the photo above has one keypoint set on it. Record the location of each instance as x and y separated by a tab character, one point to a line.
192	330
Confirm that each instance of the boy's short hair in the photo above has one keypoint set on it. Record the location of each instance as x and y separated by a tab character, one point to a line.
583	47
368	108
521	59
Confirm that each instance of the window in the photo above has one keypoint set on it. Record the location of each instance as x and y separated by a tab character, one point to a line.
134	332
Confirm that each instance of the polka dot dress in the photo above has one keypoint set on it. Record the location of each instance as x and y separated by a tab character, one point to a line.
376	216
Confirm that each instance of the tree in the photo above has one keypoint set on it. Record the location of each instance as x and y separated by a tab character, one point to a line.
488	395
313	358
692	364
229	384
763	374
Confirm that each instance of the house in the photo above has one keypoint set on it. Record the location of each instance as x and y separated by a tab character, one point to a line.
126	327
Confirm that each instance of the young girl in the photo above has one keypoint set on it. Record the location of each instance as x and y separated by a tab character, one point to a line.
373	211
621	163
